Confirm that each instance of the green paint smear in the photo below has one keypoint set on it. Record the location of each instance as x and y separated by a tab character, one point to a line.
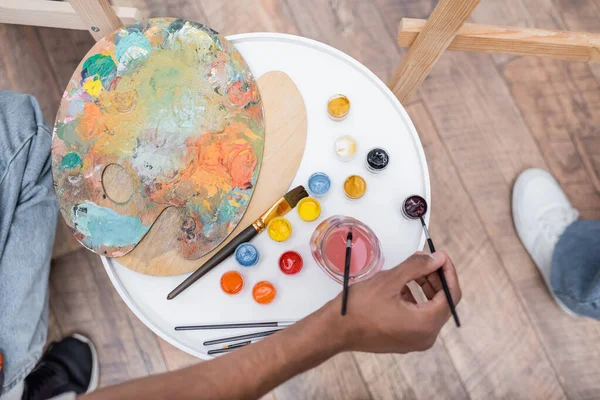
67	132
71	160
101	65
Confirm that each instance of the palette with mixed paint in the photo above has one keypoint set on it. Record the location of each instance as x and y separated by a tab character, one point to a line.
172	107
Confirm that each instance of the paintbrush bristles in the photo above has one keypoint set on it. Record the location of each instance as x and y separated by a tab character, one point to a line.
295	195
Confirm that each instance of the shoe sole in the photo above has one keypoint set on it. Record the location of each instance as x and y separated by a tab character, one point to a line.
95	378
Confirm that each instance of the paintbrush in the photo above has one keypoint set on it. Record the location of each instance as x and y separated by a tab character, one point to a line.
227	349
441	275
241	337
347	270
233	325
284	205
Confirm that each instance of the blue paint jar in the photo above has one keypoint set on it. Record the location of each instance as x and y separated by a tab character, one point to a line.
319	184
246	254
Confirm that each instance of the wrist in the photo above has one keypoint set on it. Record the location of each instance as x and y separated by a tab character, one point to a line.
345	329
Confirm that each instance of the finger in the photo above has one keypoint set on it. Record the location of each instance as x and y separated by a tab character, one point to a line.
439	303
426	287
406	295
451	279
434	280
417	266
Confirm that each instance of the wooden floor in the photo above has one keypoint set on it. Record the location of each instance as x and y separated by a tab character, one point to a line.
482	119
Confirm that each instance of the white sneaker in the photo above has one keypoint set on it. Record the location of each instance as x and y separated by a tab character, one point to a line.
541	213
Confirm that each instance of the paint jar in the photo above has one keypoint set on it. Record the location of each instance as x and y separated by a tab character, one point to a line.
232	282
328	247
279	229
355	187
414	207
319	184
309	209
264	292
338	106
246	254
377	160
290	262
345	148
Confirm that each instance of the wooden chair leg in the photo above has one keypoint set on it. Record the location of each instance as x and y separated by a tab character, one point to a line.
98	15
438	32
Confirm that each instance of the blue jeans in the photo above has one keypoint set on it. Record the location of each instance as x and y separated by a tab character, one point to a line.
28	212
575	271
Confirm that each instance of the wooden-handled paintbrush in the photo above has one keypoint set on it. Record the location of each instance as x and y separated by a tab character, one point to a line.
284	205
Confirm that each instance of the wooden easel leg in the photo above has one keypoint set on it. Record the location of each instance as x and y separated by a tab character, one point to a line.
58	14
99	16
441	27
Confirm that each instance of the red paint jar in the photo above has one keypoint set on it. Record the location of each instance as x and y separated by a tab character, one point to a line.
290	263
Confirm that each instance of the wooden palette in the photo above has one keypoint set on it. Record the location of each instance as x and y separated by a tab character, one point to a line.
285	139
169	111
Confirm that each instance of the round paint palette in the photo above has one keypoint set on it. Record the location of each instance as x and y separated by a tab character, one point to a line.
161	113
318	71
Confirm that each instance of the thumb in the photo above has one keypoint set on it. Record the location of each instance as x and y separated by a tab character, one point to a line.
418	265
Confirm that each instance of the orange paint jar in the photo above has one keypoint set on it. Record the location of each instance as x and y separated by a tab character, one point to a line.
232	282
264	292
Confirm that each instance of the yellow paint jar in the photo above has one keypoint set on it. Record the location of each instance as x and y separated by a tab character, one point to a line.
309	209
355	187
338	107
280	229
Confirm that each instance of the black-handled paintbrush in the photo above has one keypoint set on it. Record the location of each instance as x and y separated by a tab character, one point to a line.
347	270
441	275
284	205
233	325
241	337
227	349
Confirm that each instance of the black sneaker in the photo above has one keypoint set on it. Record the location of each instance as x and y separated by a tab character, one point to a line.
70	365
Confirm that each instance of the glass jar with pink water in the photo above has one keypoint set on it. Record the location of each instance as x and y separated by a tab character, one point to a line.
328	247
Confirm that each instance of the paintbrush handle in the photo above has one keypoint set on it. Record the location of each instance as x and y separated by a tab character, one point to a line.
346	280
448	297
229	348
241	337
245	236
442	277
445	286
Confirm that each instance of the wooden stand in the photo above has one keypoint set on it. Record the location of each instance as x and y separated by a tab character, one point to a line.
97	16
445	30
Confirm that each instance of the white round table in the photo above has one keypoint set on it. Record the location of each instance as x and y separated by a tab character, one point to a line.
376	119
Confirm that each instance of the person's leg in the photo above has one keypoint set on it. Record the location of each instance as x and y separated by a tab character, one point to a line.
542	215
28	212
575	270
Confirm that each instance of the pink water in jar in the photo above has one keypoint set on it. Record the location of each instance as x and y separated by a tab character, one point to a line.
328	247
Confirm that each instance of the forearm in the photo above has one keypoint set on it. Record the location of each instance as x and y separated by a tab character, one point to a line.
246	373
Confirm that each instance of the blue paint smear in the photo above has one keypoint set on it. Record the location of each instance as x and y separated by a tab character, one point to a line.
247	255
134	39
319	183
105	227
